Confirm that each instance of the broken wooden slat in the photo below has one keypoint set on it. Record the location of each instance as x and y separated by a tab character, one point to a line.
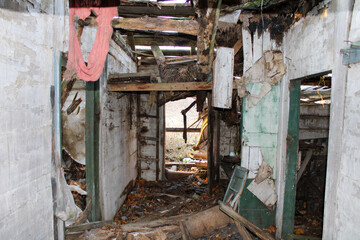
223	78
157	25
308	156
237	46
245	235
120	41
177	86
184	231
160	59
131	40
87	226
136	11
246	223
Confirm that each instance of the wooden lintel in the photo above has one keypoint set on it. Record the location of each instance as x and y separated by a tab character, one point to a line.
157	25
174	86
143	87
179	11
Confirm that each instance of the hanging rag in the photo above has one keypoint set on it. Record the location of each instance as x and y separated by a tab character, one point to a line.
97	57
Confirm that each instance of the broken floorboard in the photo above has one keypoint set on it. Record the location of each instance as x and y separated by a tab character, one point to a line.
190	27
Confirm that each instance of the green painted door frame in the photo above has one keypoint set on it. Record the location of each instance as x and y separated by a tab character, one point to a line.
92	119
291	159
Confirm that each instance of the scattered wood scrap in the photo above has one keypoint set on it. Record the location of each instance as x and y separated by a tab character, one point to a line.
246	223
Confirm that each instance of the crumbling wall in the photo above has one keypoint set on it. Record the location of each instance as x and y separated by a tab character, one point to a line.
308	45
118	142
27	47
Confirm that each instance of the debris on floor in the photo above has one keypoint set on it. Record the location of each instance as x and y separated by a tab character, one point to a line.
152	200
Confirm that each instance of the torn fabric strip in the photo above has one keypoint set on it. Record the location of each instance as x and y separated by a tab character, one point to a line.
97	57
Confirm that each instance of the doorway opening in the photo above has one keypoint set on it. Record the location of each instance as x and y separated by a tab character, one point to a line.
185	139
315	100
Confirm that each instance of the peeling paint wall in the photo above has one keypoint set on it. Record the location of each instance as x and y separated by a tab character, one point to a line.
118	145
260	122
27	47
307	49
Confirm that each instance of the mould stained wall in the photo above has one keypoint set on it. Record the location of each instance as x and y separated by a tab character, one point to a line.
118	143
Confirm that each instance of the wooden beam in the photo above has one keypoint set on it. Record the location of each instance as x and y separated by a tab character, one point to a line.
143	87
180	11
182	129
168	52
157	25
146	40
129	77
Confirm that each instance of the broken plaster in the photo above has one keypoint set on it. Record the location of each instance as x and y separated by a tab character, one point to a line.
266	72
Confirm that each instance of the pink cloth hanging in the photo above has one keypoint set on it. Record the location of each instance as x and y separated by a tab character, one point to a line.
97	57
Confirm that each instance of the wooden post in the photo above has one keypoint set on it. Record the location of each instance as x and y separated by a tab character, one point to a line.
92	148
216	145
291	159
210	167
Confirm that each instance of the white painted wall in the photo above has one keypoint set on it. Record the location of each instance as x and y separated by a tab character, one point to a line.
342	196
27	40
308	45
118	143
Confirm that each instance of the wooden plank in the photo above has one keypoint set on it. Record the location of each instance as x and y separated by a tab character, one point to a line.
223	78
157	25
179	11
178	86
243	221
